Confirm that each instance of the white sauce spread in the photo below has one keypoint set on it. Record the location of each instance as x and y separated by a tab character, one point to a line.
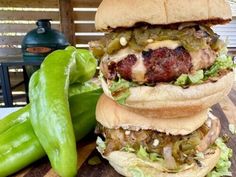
160	44
121	54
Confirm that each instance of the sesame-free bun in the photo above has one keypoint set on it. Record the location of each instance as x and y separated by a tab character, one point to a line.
125	162
171	101
112	115
112	14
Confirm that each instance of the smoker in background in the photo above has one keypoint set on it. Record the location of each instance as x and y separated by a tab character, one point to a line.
39	42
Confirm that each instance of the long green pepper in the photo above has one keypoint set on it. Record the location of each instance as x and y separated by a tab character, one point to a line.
50	114
19	146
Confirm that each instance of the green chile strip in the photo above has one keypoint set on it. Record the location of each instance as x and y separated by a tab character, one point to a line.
17	133
50	114
19	146
137	39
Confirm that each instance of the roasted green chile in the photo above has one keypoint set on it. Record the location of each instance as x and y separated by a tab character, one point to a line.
50	113
20	146
192	38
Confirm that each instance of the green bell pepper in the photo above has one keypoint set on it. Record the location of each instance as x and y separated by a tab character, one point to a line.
50	114
19	146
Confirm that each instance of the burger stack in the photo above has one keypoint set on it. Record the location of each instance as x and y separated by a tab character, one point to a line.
161	67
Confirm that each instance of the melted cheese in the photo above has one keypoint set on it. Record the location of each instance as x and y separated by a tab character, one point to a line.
160	44
139	70
121	54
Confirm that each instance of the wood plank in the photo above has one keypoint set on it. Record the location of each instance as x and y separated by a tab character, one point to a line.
7	52
229	108
84	16
38	169
102	169
86	39
232	96
218	112
29	3
23	173
84	152
11	40
22	28
85	28
86	3
28	15
67	21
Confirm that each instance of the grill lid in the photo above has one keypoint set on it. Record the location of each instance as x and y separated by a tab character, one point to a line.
42	40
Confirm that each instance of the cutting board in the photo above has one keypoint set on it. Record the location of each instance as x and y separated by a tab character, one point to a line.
225	110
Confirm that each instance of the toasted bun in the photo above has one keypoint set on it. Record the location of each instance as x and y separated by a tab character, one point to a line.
124	163
170	101
113	116
126	13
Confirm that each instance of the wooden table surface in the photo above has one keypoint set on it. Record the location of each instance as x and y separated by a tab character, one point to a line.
225	110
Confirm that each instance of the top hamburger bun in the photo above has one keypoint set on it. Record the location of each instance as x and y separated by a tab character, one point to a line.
112	14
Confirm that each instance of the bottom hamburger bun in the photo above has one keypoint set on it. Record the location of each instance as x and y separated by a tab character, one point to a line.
171	101
112	115
127	164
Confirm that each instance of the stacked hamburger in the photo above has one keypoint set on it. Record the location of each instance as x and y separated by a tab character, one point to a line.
162	67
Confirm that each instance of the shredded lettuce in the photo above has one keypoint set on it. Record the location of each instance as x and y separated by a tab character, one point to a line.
197	77
155	157
120	90
127	148
232	128
199	155
142	153
187	79
223	165
222	62
182	80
